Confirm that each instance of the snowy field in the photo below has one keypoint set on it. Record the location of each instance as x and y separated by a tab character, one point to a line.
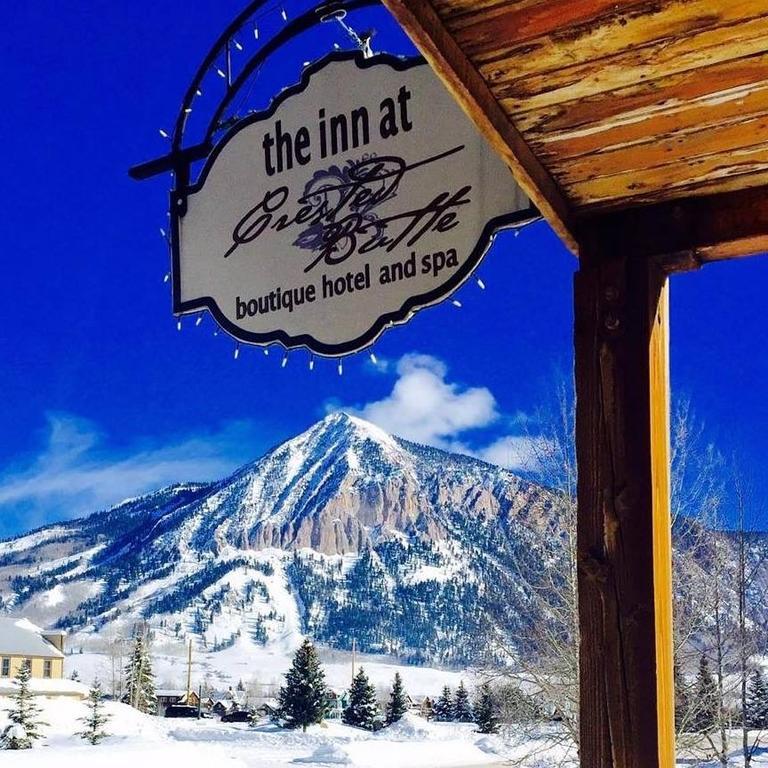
142	740
150	741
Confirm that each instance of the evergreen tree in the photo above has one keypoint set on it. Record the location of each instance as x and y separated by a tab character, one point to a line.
96	718
757	701
24	728
682	699
363	709
705	708
443	707
462	709
486	711
397	705
140	682
303	700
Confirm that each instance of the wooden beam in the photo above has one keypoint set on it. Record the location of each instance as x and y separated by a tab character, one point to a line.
624	538
436	44
683	234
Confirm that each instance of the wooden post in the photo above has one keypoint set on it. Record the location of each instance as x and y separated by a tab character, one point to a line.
624	537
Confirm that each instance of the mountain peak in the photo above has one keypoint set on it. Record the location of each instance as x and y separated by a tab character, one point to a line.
355	426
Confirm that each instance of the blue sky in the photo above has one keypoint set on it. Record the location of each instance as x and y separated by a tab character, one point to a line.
101	397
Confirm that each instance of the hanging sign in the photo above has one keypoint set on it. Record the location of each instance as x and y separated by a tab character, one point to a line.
361	196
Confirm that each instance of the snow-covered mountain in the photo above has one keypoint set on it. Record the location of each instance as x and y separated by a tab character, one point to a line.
343	531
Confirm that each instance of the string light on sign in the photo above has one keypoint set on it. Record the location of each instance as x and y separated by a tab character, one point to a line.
284	14
163	133
284	361
311	362
236	353
199	319
374	359
341	367
456	303
480	283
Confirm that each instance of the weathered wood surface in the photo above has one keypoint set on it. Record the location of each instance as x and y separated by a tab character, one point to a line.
622	102
624	550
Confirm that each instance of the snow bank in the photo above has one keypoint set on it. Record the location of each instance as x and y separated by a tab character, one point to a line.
326	754
409	754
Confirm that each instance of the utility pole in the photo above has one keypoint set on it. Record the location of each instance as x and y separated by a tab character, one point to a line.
189	671
354	649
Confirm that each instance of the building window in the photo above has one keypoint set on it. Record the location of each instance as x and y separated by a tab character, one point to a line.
5	669
47	668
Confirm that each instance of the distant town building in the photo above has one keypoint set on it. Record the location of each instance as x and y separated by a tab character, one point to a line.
167	697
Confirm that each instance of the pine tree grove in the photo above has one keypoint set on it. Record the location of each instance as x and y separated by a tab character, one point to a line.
94	722
443	707
303	700
486	714
397	705
363	709
462	709
139	680
24	714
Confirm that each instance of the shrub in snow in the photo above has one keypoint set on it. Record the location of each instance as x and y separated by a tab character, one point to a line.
443	707
397	705
486	710
363	709
24	713
96	718
462	709
303	700
140	682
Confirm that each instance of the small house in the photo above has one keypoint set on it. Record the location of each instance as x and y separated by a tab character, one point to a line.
167	697
21	640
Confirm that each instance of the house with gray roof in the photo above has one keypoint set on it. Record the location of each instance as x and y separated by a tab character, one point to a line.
20	641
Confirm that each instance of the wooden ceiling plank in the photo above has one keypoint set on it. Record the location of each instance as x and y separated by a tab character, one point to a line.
484	30
687	149
687	232
419	20
660	183
684	119
641	99
694	190
628	68
456	9
602	33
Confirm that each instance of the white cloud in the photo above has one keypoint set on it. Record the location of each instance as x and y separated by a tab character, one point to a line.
76	472
425	407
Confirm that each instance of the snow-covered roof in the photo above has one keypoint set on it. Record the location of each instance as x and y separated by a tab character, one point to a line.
170	692
47	687
20	637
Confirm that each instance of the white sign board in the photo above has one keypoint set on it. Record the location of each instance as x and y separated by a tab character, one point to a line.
361	196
